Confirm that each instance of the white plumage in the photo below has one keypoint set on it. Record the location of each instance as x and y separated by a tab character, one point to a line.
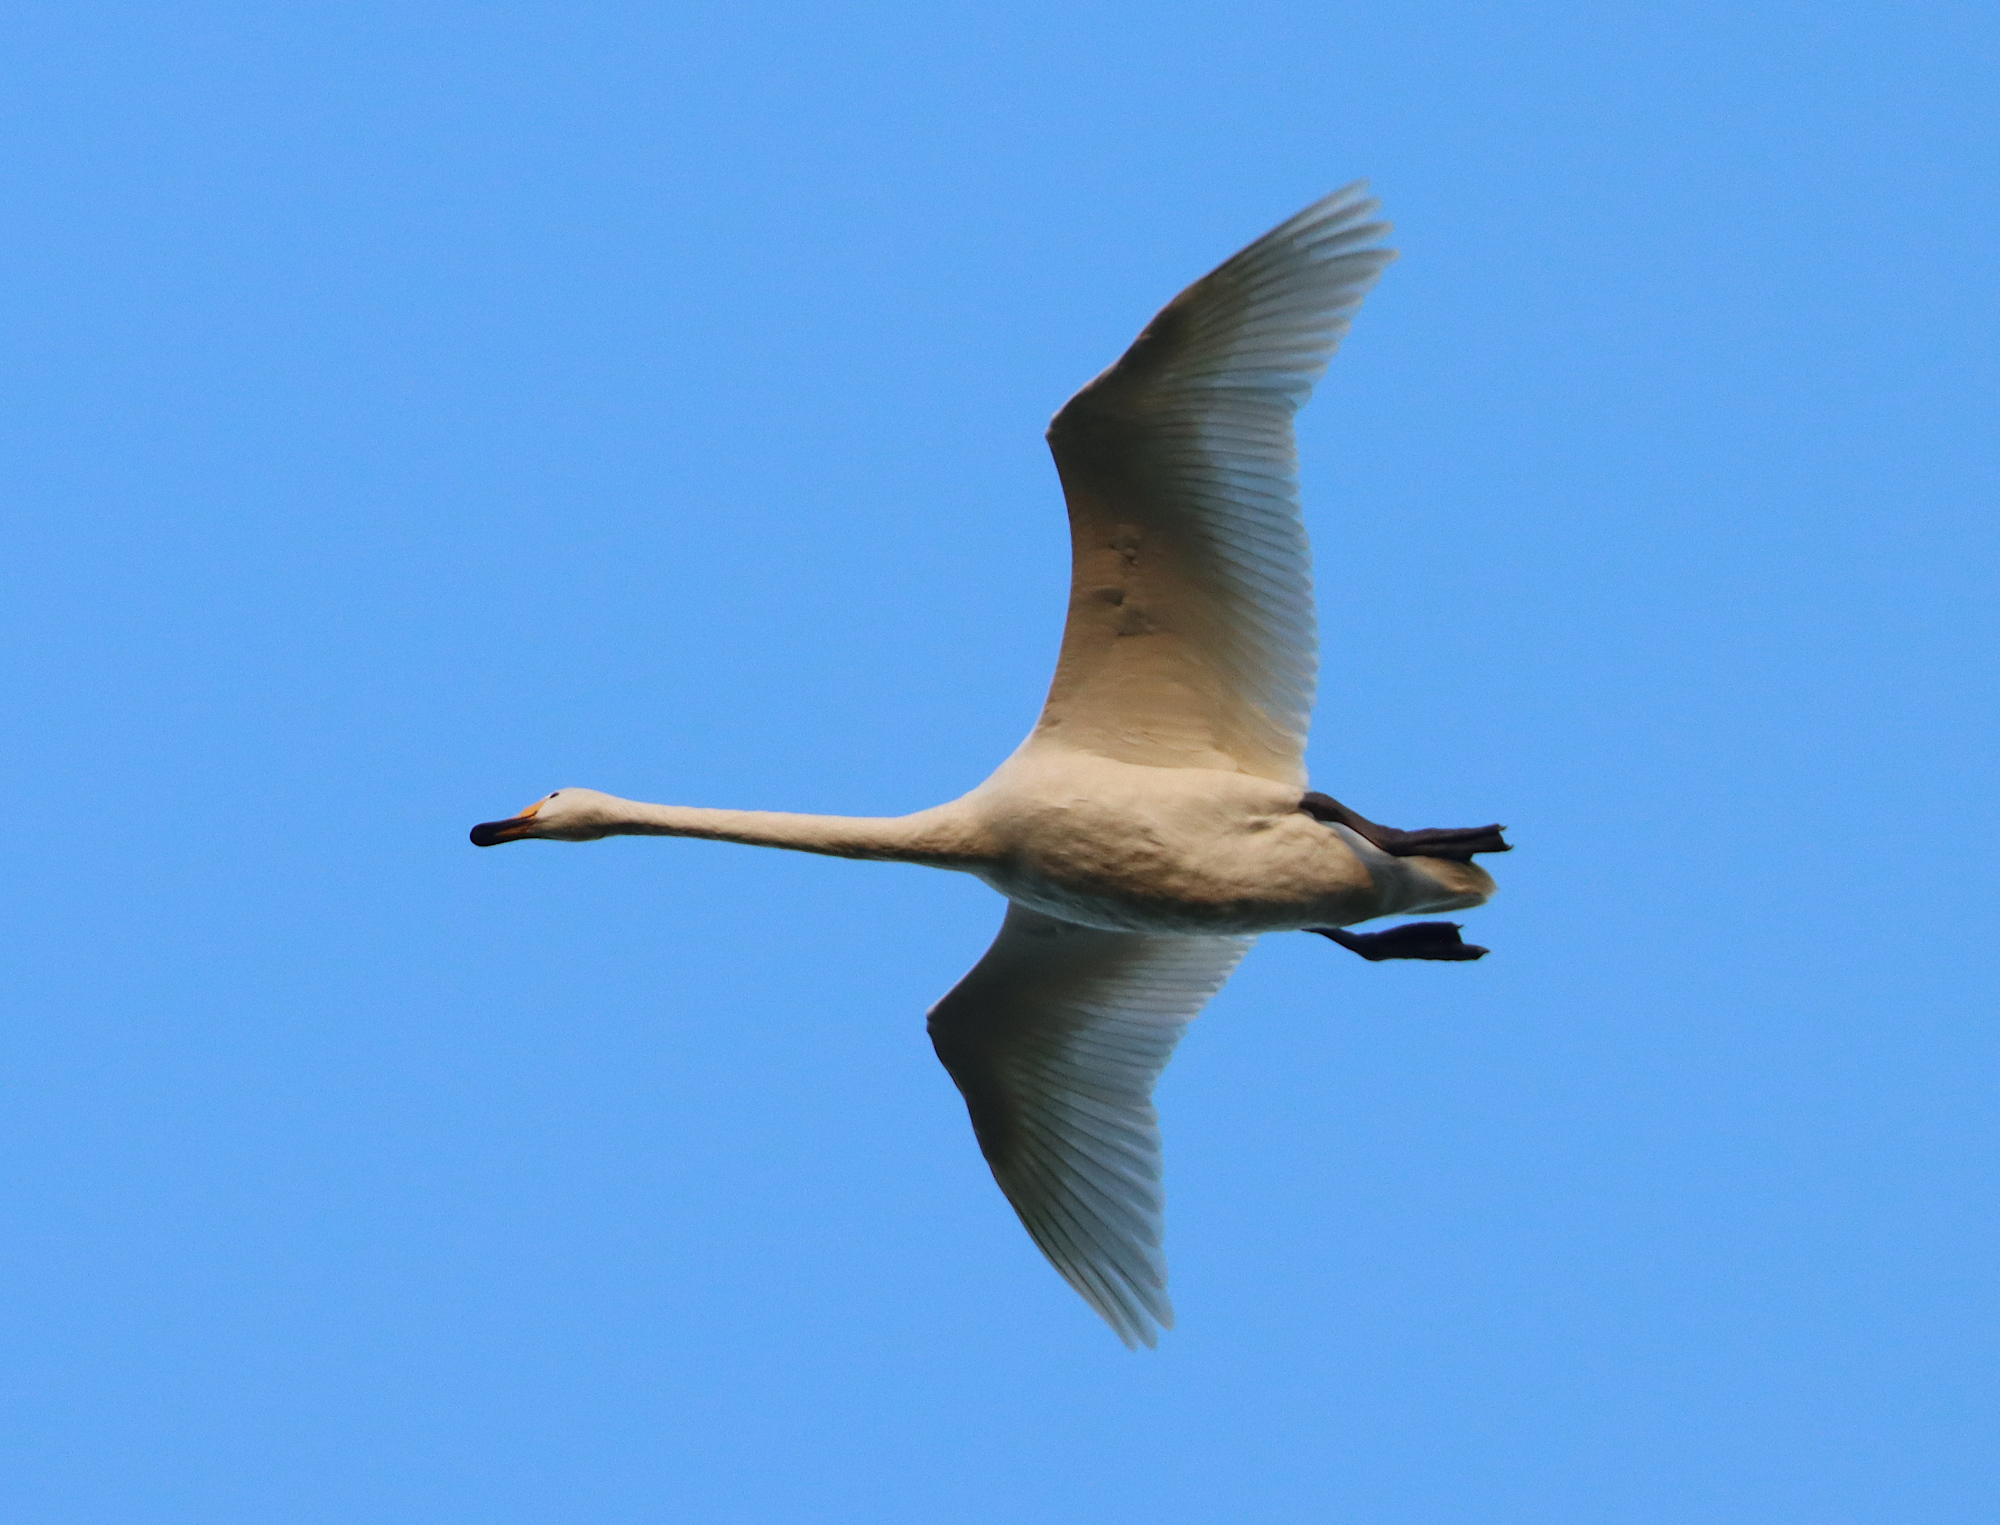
1186	445
1154	822
1056	1038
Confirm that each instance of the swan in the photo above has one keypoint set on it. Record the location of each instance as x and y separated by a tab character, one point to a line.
1156	819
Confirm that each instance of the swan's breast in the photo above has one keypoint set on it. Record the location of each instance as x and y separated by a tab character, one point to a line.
1177	850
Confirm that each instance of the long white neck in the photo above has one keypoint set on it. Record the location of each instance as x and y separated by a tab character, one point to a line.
938	837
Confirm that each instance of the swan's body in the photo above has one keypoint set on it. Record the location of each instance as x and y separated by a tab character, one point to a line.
1156	819
1118	846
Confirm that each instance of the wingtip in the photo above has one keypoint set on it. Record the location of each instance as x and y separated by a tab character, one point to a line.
1138	1332
1351	202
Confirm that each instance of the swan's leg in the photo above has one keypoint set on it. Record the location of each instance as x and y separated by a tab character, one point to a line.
1418	939
1432	842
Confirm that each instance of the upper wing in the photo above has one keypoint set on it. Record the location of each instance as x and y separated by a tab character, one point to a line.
1055	1039
1191	640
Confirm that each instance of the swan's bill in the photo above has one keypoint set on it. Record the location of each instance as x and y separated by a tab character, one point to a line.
513	829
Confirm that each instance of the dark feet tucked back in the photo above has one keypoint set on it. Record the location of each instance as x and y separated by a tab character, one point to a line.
1417	939
1456	842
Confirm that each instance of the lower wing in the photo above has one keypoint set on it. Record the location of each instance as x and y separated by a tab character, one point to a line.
1055	1039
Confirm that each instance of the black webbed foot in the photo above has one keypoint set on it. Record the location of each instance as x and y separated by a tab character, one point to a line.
1417	939
1458	843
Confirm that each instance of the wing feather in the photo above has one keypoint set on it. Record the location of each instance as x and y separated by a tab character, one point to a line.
1056	1038
1191	639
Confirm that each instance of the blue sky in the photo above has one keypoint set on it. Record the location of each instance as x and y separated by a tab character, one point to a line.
411	409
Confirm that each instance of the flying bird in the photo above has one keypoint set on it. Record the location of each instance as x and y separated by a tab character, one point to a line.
1157	819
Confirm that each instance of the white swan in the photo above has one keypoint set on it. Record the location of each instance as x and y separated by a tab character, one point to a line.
1156	819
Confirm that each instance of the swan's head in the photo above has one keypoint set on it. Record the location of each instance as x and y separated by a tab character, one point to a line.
568	815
